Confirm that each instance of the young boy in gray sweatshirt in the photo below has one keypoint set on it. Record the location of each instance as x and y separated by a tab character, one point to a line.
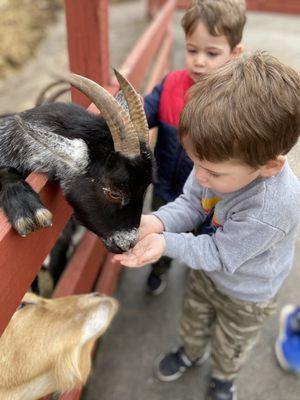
237	127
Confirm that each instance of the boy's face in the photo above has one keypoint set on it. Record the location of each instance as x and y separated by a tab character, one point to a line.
205	53
224	177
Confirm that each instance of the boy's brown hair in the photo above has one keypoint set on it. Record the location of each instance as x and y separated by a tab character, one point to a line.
221	17
248	110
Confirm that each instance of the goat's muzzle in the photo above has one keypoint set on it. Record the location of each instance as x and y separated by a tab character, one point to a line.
121	241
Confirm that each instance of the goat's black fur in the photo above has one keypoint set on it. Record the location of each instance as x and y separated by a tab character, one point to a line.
96	170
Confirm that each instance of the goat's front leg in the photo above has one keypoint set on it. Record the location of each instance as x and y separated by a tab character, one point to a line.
21	203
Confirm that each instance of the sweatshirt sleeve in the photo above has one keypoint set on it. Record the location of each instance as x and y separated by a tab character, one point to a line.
238	241
185	213
151	104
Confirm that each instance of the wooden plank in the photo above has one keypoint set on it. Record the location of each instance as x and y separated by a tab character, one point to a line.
140	58
287	6
182	3
88	41
83	268
153	6
161	66
21	258
108	278
280	6
72	395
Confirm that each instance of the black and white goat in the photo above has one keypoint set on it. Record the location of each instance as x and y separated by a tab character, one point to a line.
103	163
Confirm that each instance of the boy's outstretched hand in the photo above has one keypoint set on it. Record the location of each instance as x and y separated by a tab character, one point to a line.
149	224
146	251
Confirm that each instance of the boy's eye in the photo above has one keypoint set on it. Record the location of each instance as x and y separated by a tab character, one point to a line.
211	54
191	51
214	175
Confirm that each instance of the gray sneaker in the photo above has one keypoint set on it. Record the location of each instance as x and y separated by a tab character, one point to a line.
156	284
221	390
169	367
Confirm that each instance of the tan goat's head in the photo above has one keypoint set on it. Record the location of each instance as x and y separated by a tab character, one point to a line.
47	345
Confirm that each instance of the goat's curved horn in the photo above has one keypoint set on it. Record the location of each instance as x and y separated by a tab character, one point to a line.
135	106
122	130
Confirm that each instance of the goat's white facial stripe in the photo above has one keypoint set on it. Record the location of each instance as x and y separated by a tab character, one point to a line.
122	239
73	153
94	324
42	148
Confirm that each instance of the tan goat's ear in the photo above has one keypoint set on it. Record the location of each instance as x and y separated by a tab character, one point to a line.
31	297
110	305
98	322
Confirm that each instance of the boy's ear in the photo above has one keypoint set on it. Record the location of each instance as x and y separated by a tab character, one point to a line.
237	50
272	167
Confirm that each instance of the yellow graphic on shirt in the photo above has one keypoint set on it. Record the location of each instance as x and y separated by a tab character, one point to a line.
215	220
209	203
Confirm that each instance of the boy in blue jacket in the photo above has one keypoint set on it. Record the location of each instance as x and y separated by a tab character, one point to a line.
213	31
237	127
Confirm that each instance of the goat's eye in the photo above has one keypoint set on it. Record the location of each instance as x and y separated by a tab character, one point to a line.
23	304
113	195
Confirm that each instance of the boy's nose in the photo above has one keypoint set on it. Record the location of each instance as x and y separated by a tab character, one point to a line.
202	177
200	60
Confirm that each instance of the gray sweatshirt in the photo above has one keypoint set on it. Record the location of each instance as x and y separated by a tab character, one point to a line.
251	251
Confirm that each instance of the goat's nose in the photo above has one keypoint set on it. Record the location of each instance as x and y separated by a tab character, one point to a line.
132	244
117	249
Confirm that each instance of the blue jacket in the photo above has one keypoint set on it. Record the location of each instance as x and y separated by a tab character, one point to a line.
163	107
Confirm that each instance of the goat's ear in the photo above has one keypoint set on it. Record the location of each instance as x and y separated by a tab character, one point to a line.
108	309
97	324
31	297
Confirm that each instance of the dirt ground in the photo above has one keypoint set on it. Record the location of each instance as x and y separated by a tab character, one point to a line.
21	86
22	27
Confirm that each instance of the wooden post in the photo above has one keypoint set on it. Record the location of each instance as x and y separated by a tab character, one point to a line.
88	42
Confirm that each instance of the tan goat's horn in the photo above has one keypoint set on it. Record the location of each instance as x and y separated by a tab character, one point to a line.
122	130
135	106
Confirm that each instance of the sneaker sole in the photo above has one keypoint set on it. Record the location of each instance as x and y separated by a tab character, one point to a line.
288	309
280	357
234	395
162	377
203	359
176	376
159	290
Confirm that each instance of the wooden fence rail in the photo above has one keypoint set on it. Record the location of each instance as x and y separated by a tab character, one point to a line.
280	6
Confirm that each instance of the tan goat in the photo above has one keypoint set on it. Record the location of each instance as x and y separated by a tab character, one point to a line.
47	345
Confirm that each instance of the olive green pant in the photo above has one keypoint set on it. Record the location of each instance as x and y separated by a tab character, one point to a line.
229	327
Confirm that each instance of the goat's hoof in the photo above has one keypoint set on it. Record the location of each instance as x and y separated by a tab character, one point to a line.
41	219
